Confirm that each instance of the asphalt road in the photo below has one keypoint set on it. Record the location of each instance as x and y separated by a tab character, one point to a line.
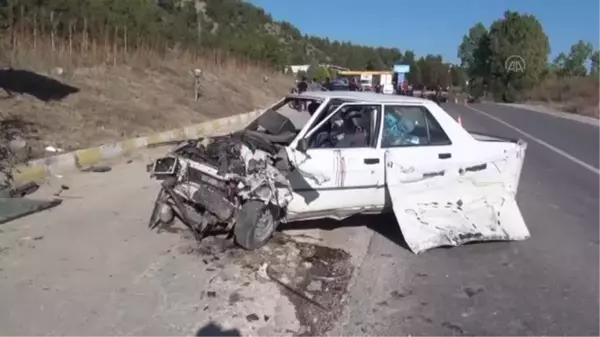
547	285
90	266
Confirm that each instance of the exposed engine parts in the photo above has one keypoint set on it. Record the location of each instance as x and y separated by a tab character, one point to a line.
207	181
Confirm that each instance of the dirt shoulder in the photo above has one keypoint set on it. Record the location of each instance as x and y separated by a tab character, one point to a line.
73	101
91	266
576	95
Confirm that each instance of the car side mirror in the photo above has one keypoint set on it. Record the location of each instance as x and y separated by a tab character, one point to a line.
302	145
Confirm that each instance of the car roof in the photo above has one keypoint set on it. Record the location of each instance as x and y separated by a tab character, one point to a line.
362	96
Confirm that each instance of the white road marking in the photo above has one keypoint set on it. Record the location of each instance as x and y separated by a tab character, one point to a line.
539	141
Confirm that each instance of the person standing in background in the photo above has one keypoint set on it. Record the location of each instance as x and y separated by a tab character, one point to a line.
314	85
302	86
353	85
328	84
378	88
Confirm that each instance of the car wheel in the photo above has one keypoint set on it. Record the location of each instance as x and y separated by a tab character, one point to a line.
255	224
159	215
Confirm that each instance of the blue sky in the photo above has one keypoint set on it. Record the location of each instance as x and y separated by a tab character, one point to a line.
432	26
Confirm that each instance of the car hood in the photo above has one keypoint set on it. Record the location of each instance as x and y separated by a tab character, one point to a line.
257	167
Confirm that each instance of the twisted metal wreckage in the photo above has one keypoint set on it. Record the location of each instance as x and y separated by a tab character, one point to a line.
246	167
13	205
211	181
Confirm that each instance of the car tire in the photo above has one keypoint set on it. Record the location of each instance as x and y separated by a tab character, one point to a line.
155	220
255	224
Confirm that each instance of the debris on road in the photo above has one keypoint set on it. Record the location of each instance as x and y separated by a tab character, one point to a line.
470	292
54	149
14	208
398	295
285	282
13	205
29	238
167	143
62	188
23	190
252	318
304	266
97	169
293	266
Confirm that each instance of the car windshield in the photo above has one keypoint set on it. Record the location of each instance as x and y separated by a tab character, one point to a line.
289	115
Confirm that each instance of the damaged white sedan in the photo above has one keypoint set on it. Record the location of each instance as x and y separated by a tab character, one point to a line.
347	153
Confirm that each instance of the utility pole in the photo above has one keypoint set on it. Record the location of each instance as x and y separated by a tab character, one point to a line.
199	16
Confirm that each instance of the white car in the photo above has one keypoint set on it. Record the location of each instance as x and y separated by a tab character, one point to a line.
356	152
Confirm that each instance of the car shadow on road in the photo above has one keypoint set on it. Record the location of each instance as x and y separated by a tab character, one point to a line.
212	329
385	225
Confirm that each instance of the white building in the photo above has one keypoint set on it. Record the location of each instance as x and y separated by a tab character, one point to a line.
294	69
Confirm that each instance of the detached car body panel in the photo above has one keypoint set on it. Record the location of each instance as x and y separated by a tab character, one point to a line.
448	205
357	152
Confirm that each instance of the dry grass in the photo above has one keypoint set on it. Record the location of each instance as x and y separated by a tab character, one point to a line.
128	93
570	94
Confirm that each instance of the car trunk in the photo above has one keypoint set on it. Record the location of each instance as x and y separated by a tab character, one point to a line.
461	202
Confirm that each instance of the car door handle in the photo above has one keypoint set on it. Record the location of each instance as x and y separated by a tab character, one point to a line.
371	161
444	155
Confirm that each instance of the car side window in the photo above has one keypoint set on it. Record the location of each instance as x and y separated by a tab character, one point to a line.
328	109
405	125
352	126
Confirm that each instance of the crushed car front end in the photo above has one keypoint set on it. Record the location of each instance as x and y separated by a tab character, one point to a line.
207	182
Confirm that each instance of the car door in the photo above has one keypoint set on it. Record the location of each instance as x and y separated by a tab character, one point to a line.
436	197
414	148
336	175
416	140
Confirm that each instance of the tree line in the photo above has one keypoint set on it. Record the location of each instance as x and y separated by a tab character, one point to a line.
235	26
488	56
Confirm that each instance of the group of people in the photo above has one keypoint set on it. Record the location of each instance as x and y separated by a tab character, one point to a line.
305	85
355	85
314	85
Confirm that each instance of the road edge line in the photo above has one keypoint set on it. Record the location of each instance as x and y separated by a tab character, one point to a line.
539	141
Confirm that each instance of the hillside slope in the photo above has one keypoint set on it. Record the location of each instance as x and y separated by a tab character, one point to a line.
236	26
72	101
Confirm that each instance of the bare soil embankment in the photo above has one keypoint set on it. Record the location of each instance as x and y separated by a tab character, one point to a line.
56	96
